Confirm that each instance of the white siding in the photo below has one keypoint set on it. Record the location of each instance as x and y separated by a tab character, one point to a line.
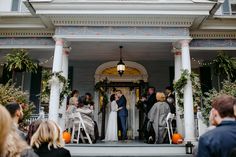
5	5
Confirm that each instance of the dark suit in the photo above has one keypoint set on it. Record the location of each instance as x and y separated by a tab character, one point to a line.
151	100
122	114
43	151
218	142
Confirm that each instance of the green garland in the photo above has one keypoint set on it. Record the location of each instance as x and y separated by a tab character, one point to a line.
65	90
179	88
101	87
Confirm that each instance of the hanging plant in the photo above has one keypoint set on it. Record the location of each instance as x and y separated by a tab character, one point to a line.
196	86
65	88
19	60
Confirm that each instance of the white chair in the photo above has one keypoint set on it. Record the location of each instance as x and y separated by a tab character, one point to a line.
78	124
169	127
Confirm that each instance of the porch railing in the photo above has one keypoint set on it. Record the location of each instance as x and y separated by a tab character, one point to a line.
35	117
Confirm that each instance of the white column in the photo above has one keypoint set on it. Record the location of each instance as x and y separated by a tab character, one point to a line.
55	84
188	94
62	108
178	67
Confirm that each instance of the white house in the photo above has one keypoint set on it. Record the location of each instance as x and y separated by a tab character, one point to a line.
159	38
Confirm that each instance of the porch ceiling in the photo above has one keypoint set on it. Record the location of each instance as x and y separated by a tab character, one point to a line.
108	51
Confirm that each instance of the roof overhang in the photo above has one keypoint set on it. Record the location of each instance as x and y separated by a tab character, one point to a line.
118	7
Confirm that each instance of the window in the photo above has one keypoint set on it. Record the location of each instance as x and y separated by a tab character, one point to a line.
233	9
225	7
15	5
229	7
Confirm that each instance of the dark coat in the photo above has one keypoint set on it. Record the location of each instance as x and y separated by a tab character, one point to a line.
218	142
122	103
43	151
151	101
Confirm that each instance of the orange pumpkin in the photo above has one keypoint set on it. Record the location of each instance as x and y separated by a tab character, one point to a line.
177	138
66	136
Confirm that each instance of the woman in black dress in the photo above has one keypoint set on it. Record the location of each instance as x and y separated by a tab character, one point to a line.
47	141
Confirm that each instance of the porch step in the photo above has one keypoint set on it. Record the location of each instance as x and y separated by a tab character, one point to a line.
126	150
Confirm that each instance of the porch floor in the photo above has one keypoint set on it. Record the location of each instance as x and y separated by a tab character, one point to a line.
129	148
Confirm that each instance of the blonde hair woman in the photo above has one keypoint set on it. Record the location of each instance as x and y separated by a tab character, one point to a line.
5	125
157	116
47	141
11	144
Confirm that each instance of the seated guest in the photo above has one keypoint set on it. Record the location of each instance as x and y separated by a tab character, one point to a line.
87	116
72	107
89	100
157	116
47	141
73	101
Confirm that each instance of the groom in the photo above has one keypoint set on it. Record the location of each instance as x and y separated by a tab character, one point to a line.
123	113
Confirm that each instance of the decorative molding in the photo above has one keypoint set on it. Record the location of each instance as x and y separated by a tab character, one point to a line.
213	35
26	33
213	44
122	20
27	43
122	31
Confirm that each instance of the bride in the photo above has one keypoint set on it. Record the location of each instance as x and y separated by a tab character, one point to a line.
111	132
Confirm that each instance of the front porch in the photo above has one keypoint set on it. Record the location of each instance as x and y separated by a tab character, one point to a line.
127	149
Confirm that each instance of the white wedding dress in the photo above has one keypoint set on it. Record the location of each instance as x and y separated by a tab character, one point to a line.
111	132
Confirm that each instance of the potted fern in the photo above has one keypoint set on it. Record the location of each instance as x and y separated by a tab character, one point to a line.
19	61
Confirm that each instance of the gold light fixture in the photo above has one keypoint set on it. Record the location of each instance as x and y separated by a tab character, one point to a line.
121	64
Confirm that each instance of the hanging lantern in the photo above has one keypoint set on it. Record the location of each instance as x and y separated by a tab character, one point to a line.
121	64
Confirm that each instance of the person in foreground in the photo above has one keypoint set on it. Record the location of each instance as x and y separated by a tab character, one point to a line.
11	144
47	141
220	141
16	113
